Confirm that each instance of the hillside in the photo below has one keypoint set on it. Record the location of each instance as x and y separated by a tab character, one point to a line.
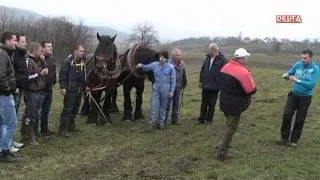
17	13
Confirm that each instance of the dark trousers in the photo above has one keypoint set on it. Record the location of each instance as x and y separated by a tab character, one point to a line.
300	104
208	103
175	101
71	105
45	110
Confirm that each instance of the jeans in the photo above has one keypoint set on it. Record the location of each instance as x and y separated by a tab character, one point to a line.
17	99
159	98
8	121
34	101
45	110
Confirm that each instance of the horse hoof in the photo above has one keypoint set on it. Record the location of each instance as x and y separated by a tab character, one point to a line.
124	118
91	122
128	121
114	110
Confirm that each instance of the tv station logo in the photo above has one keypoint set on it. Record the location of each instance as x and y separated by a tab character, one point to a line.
288	19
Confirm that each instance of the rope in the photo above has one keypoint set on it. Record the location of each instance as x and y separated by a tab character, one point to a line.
98	106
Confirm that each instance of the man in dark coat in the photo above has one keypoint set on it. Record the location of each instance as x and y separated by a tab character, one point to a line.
210	83
72	84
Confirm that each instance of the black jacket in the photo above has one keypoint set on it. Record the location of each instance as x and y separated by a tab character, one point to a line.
36	82
20	68
71	75
210	79
7	79
51	79
233	99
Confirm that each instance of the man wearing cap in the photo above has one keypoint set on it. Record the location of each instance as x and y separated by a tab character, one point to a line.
304	75
237	86
210	83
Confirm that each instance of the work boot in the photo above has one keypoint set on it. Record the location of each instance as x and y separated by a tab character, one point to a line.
7	156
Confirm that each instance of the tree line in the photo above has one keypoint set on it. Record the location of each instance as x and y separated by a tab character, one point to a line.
268	45
61	31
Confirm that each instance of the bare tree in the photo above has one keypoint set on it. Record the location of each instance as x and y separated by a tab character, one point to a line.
146	34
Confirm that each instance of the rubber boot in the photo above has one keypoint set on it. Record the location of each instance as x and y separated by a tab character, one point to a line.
32	137
63	129
24	133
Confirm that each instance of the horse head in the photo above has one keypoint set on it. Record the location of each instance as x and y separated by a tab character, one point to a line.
106	62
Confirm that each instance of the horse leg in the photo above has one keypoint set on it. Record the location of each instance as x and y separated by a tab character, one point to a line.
138	114
113	100
105	110
127	110
93	112
85	105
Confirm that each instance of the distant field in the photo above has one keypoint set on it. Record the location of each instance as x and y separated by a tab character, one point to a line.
128	151
257	60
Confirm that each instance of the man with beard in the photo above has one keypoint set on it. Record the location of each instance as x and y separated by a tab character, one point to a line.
50	82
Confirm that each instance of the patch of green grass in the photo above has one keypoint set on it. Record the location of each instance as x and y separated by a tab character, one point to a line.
129	151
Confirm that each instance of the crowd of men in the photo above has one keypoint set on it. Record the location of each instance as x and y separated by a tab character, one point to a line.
30	74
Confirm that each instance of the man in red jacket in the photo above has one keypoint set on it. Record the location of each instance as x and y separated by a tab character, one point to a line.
237	86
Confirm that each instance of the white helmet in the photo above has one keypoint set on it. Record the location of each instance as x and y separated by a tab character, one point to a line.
241	52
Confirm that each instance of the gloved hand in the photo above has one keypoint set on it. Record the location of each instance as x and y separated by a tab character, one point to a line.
63	92
170	95
140	65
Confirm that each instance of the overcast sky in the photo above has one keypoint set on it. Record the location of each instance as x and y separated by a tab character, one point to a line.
181	19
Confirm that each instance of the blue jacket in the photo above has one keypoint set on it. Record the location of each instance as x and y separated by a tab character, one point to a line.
165	75
308	77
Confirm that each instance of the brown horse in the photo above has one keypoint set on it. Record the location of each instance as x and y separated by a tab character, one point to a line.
103	68
130	78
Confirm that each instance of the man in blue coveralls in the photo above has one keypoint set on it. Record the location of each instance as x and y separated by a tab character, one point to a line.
162	89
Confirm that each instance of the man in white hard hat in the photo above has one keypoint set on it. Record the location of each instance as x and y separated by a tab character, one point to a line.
237	86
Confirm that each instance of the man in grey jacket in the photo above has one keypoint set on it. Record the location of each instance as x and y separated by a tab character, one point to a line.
181	83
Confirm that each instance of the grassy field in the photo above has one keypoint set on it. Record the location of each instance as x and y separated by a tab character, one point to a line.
129	151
